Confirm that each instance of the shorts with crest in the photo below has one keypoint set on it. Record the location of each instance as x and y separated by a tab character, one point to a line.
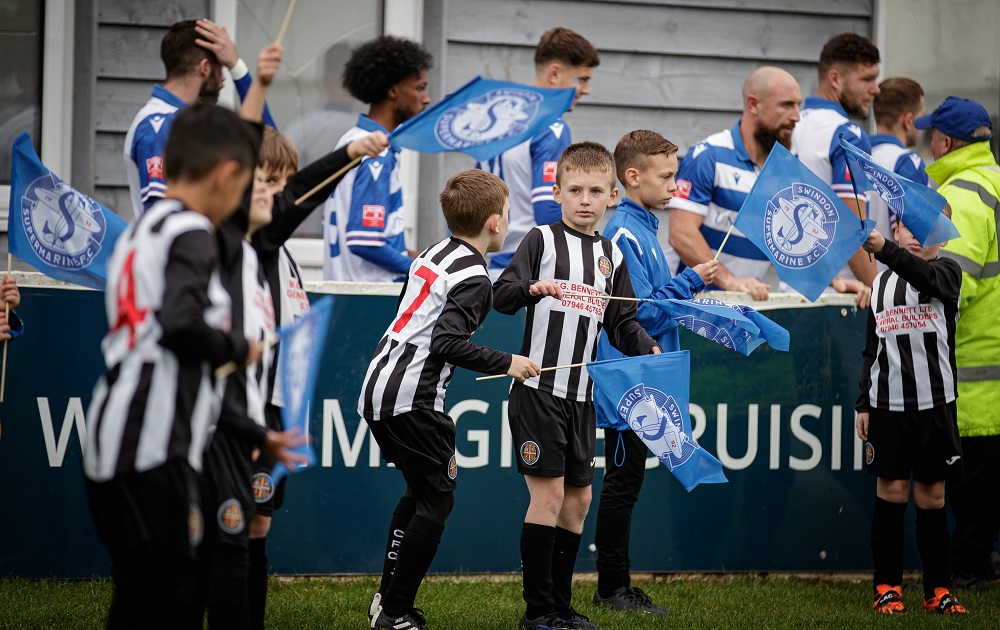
421	444
267	495
924	444
553	437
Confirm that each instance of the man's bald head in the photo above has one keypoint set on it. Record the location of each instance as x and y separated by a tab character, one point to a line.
761	81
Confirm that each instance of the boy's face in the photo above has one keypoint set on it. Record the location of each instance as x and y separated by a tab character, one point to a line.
906	240
496	242
656	183
584	197
226	188
575	76
266	184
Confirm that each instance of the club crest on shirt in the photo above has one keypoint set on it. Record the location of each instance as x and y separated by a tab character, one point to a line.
262	485
64	228
799	225
530	453
869	453
196	525
453	467
494	116
657	419
230	517
604	266
887	187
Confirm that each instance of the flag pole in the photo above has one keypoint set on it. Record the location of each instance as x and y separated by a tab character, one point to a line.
548	369
719	251
329	179
284	25
6	311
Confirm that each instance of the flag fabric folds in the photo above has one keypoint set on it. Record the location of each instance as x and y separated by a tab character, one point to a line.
733	326
301	348
483	118
916	205
799	223
651	393
55	228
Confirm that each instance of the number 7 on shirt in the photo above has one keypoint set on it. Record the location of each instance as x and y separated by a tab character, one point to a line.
428	277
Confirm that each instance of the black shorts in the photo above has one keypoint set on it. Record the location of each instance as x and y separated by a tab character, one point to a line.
922	443
227	502
421	444
267	496
553	437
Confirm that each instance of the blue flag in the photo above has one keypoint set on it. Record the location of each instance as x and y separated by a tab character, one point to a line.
55	228
916	205
733	326
797	220
301	348
652	393
483	118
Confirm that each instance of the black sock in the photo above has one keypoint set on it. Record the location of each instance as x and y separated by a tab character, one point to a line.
227	594
887	542
934	544
416	552
564	551
611	539
401	516
537	543
257	582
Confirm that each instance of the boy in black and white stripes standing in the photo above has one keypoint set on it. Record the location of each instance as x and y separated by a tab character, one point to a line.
906	413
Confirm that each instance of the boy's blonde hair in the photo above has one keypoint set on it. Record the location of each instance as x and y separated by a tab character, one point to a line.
277	152
470	198
586	156
636	147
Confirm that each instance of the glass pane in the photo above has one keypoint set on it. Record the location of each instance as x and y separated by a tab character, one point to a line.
306	99
20	77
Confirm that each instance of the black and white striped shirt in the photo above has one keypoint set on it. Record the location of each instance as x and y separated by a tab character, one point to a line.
565	332
445	298
909	356
169	320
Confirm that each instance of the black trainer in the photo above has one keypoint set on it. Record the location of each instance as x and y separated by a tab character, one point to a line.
552	621
630	598
576	620
409	621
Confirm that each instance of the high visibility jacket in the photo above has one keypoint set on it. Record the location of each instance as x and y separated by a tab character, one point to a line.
970	181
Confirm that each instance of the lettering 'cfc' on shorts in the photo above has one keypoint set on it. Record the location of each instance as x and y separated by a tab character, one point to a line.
421	444
924	443
553	437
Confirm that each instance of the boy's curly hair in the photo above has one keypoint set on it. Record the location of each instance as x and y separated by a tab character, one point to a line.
376	66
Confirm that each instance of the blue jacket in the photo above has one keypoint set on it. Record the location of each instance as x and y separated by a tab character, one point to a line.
633	229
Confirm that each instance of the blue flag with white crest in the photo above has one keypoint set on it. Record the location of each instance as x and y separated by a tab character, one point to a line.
299	354
651	394
800	224
916	205
483	118
55	228
734	326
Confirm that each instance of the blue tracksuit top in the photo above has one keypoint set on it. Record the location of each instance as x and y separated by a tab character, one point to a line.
633	230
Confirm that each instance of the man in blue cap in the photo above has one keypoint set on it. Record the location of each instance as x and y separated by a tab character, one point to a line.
970	180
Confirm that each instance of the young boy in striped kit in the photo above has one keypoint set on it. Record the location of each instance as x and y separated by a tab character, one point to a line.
552	417
906	413
445	298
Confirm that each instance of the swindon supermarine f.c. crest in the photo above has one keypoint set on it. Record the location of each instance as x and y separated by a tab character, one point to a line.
887	187
64	228
707	329
799	225
494	116
657	419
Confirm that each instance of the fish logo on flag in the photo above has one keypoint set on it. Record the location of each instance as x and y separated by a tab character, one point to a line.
483	118
302	343
797	220
916	205
653	395
732	326
57	230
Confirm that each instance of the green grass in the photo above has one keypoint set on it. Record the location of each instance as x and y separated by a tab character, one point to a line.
456	603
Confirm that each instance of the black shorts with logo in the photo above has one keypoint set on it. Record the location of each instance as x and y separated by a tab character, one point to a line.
267	495
553	437
226	499
421	444
922	443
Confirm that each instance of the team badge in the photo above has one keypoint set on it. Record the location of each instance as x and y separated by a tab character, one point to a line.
869	453
530	453
64	228
452	467
494	116
230	517
604	265
262	485
887	187
707	329
657	419
196	525
799	225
